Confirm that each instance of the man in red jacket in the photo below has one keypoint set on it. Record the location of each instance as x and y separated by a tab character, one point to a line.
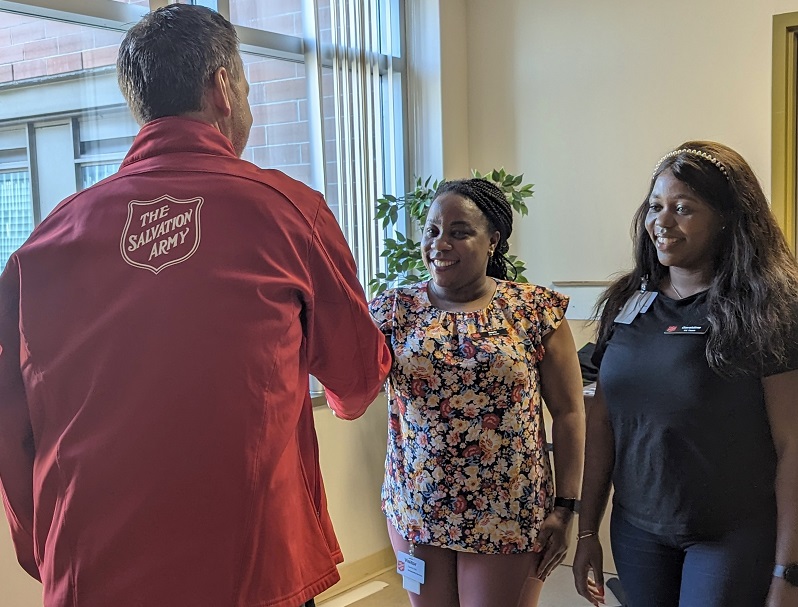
157	330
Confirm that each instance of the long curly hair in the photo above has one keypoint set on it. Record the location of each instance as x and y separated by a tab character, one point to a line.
494	205
753	297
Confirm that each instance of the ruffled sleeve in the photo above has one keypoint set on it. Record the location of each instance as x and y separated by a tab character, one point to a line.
382	310
551	307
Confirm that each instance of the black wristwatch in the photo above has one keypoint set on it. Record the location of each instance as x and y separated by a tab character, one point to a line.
788	572
566	502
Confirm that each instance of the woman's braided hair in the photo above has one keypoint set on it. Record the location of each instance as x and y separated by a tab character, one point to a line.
493	204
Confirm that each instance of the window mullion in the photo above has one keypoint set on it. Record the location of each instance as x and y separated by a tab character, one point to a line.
33	168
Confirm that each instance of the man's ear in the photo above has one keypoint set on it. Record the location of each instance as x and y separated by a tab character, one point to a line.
221	92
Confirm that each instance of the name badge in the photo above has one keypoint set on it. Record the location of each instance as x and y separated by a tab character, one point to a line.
639	303
491	333
412	571
686	330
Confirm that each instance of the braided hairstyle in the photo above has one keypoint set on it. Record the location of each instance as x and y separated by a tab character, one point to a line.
493	204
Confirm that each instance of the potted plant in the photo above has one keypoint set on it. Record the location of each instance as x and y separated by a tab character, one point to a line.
403	263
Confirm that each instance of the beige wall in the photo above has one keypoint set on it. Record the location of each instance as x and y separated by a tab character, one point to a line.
17	588
585	97
353	463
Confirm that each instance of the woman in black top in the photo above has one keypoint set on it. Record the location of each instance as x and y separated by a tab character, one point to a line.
694	419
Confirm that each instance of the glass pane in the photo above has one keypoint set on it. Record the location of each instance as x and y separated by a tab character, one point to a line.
137	2
34	48
388	25
282	16
280	136
91	174
16	212
330	145
390	28
325	23
62	117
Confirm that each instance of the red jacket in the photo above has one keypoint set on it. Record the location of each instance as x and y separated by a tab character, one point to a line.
157	330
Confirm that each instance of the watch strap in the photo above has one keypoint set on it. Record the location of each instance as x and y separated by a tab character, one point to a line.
566	502
788	572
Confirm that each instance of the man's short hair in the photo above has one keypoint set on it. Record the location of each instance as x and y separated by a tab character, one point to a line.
167	60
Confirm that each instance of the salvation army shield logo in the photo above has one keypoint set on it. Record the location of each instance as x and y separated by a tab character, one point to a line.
160	233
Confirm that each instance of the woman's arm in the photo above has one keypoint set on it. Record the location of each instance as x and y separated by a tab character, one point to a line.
561	387
599	462
781	400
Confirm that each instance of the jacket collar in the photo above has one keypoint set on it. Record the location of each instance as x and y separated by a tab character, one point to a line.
175	134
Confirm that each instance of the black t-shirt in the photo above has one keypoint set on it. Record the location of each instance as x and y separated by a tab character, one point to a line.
693	450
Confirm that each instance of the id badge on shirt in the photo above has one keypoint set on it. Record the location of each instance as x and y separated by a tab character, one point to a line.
487	334
639	303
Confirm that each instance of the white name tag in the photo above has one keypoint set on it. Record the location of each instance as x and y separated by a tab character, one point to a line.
639	303
412	571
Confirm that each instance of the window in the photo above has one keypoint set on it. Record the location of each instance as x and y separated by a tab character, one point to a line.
63	122
16	212
103	138
284	16
60	107
278	96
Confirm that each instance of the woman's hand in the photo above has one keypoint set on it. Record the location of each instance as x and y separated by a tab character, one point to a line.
780	400
552	541
589	558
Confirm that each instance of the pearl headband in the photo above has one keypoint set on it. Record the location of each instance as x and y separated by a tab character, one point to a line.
698	153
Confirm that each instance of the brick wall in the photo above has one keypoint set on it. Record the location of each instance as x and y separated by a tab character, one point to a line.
283	16
33	48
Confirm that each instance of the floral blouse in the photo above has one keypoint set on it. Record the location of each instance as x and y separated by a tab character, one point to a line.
466	467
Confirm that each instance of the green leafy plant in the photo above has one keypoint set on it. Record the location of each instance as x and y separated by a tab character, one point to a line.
403	254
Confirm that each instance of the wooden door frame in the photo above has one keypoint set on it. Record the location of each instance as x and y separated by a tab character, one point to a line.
784	142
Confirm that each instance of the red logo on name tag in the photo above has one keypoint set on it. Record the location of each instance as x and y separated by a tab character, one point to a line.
671	329
160	233
400	565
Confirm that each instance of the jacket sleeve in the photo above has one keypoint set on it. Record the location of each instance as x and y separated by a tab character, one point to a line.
16	435
347	353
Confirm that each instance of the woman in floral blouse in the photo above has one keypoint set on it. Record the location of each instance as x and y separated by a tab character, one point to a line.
468	484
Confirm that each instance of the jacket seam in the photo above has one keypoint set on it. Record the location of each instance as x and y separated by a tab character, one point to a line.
254	483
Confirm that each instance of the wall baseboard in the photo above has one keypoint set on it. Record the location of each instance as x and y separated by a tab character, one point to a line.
359	571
